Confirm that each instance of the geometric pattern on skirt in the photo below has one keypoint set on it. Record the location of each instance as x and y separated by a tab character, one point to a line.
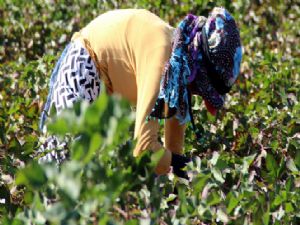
77	79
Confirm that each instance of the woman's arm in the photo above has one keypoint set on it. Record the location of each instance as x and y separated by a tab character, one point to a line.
174	135
149	72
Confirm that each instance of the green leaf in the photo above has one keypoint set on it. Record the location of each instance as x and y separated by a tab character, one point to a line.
32	176
271	164
246	163
297	159
278	200
290	164
92	115
95	144
28	197
200	181
132	222
254	132
289	207
55	213
215	158
266	218
233	202
171	197
15	145
213	198
217	175
68	180
156	157
60	127
222	216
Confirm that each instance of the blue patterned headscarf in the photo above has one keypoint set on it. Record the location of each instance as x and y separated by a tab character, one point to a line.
206	54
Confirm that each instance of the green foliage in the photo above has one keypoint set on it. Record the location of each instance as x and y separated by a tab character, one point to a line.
245	168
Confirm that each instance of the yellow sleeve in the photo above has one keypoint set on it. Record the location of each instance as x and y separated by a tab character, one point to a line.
149	73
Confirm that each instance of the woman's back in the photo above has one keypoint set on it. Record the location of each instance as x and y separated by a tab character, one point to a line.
123	41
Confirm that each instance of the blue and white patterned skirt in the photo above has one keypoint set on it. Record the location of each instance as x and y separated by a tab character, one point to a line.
74	78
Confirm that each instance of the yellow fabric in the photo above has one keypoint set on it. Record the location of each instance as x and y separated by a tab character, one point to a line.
131	48
103	76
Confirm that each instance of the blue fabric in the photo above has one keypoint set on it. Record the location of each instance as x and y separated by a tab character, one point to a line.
52	82
219	23
237	62
178	74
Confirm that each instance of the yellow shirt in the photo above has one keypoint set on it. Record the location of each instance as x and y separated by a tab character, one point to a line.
132	47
